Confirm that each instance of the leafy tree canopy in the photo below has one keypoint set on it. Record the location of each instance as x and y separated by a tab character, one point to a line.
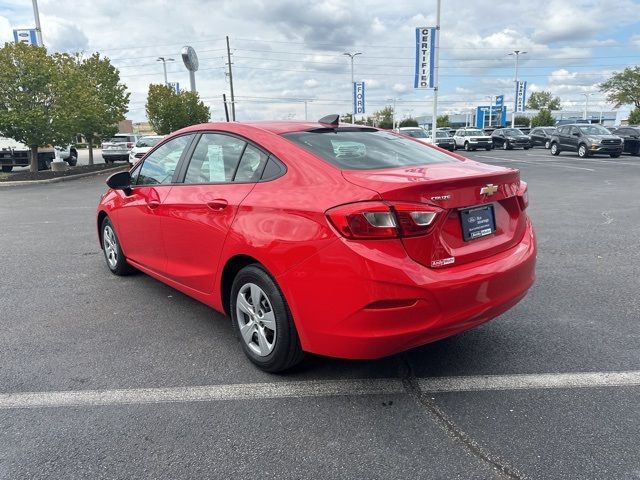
623	87
540	100
168	111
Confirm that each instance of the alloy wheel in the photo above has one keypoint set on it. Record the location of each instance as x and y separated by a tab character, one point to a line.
110	245
256	319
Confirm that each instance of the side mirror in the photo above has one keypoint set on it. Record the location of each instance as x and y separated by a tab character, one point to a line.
575	134
120	181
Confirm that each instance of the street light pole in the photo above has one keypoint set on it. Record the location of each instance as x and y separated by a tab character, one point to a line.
36	15
353	90
517	54
490	97
164	67
586	104
436	70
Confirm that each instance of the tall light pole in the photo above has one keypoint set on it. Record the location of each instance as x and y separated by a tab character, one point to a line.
164	66
36	15
517	54
353	90
586	104
490	97
434	114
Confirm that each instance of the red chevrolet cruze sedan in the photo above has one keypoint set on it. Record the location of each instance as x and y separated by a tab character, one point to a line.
339	240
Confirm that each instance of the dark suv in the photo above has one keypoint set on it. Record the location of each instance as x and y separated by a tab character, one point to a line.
586	140
509	138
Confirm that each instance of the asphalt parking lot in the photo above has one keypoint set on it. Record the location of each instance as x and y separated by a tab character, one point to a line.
107	377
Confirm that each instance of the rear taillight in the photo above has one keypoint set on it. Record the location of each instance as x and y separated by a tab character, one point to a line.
382	219
523	195
129	145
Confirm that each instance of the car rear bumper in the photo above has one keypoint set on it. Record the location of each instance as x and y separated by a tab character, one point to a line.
353	301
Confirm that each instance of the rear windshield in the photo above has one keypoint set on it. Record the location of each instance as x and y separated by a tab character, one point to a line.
417	133
119	139
363	150
148	141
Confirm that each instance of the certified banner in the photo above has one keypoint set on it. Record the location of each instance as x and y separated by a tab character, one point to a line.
521	96
26	36
358	97
425	57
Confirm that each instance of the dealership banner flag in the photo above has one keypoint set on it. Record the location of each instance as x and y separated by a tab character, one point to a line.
499	103
358	97
425	57
521	96
26	36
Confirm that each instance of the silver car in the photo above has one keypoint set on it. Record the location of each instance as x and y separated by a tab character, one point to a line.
117	148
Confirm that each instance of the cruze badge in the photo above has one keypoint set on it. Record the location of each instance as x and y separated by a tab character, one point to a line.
489	189
439	198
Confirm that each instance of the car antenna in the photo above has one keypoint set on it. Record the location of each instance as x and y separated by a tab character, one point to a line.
333	120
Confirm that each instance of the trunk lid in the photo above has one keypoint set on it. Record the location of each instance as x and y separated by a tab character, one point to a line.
453	187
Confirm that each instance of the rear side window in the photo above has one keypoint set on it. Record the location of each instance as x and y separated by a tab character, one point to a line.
215	159
363	150
158	168
251	165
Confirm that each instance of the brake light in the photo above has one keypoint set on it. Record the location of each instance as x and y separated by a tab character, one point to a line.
370	220
129	145
523	195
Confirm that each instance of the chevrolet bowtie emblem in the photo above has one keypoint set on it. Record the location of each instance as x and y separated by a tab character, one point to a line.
489	189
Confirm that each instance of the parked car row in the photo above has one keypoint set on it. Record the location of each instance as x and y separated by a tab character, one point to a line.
17	154
128	147
583	138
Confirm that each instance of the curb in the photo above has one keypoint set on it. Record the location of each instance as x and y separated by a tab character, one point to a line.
63	179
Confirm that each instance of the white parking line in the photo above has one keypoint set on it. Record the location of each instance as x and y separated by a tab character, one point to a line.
578	159
316	388
534	163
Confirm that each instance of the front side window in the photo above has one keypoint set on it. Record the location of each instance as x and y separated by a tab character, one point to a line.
215	159
158	168
366	149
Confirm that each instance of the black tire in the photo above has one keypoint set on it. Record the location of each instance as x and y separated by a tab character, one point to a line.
547	144
286	351
554	149
121	267
583	151
73	158
614	155
7	168
467	148
487	148
526	148
106	160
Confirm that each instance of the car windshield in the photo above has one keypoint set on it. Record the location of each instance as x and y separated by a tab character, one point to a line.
550	129
475	133
513	132
594	130
366	149
148	141
442	135
417	133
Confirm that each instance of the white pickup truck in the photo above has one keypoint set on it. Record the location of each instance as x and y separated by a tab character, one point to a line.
17	154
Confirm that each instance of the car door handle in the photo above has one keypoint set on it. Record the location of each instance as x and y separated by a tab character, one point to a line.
217	204
153	204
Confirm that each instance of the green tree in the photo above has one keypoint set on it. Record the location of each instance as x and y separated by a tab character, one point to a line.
384	118
29	90
623	87
634	117
442	121
522	121
543	119
346	118
93	92
168	111
409	122
540	100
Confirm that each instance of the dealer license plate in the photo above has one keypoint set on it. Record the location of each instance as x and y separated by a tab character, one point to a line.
477	222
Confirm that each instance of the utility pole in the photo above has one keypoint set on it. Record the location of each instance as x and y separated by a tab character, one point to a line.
517	54
233	102
353	88
36	14
226	109
164	66
434	121
306	116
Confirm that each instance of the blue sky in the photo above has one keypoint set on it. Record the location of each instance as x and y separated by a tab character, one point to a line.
288	51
